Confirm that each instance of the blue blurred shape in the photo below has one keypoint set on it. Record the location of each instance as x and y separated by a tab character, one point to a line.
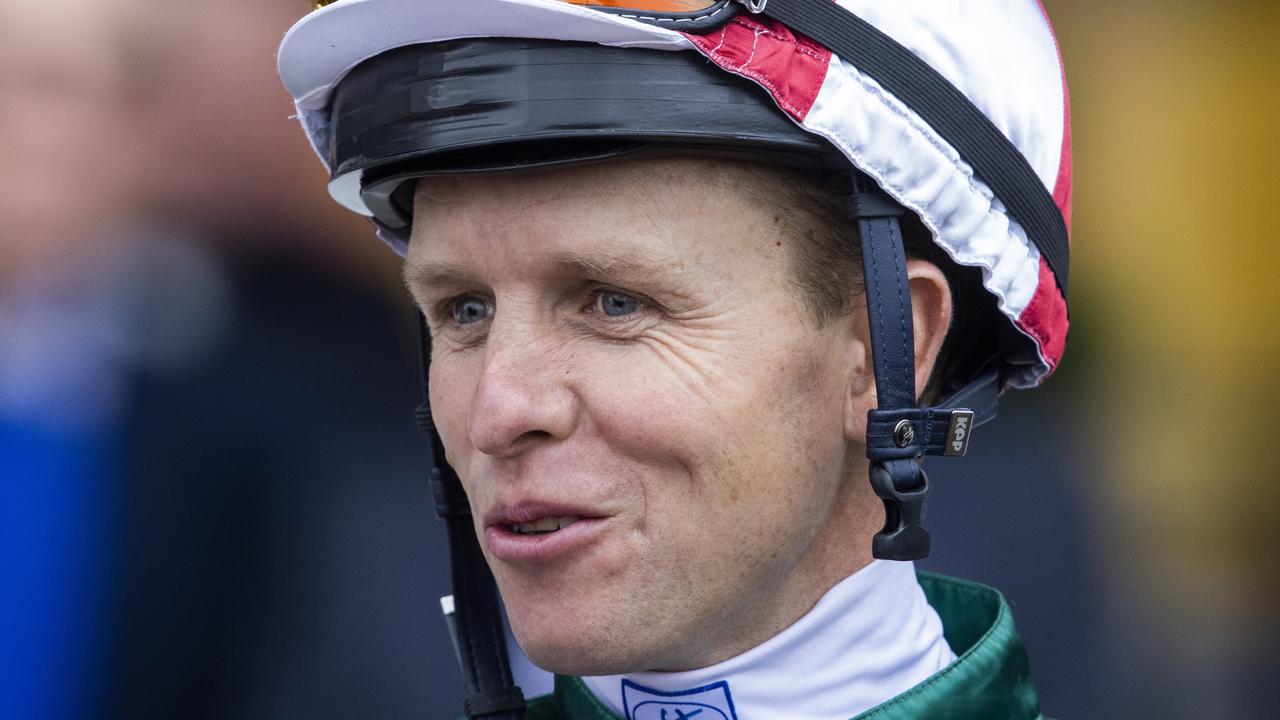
56	554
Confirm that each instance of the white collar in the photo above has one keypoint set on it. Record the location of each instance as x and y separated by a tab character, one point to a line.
868	639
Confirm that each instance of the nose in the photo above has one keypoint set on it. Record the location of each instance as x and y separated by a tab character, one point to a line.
522	397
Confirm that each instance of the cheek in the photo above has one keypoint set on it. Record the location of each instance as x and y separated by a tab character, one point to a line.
666	408
729	433
453	381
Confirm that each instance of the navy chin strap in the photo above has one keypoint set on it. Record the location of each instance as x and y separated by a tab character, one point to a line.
478	635
899	434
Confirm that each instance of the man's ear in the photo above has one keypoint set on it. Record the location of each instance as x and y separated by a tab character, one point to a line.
930	314
931	319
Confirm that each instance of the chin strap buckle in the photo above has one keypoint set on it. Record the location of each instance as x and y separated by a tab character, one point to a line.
903	486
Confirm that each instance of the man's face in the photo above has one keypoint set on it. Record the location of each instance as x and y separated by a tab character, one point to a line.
646	418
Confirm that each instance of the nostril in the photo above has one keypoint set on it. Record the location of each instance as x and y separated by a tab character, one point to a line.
532	436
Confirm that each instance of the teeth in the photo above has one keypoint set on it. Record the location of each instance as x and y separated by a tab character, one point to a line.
544	525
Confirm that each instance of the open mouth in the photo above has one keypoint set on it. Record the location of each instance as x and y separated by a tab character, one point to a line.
538	535
543	526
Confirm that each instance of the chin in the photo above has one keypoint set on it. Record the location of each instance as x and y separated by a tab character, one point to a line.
582	618
577	658
574	642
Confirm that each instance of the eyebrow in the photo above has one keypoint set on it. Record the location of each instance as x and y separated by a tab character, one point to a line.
648	273
436	276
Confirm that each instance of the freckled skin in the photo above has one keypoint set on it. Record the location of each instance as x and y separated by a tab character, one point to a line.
717	427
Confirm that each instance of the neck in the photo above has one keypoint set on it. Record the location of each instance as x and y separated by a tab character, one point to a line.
871	637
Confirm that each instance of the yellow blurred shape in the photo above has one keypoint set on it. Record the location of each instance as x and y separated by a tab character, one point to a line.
1177	144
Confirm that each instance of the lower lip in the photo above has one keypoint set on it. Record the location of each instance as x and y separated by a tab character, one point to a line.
541	547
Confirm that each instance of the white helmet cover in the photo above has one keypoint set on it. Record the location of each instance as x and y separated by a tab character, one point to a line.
1001	54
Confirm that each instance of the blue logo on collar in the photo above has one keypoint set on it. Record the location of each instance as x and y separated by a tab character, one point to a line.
709	702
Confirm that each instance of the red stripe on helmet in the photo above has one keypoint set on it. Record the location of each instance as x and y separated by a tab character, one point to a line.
1045	318
1062	190
1062	187
792	68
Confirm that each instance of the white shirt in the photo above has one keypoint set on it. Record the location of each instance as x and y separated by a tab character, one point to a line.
868	639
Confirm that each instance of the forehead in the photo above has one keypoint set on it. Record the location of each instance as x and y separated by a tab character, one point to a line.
655	188
678	212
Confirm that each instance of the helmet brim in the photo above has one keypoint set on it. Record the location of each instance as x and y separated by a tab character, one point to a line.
470	106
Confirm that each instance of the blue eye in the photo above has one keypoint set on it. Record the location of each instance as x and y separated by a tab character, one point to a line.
470	310
616	304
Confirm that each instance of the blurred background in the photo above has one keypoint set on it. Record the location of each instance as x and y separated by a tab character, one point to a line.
213	502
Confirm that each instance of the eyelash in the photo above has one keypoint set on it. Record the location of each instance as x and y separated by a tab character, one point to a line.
597	293
443	312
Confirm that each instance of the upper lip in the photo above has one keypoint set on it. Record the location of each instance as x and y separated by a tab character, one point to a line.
505	514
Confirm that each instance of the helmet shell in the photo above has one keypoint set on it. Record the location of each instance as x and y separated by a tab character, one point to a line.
1001	54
